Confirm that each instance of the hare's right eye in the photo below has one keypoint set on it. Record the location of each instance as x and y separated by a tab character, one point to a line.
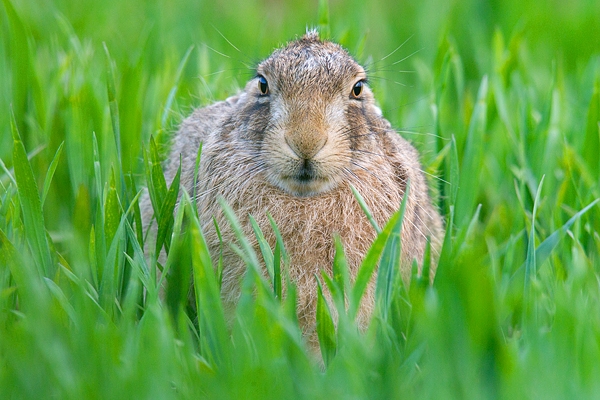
357	89
263	86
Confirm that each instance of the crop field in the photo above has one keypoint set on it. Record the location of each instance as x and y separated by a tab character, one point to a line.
501	98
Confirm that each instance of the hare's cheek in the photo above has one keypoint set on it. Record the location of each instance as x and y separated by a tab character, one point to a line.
376	110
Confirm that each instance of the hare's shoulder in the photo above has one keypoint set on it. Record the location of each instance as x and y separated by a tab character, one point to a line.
199	127
402	156
397	147
205	121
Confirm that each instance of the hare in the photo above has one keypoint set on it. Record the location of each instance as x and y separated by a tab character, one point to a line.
291	144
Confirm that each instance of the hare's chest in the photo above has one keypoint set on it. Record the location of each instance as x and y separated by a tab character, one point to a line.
308	227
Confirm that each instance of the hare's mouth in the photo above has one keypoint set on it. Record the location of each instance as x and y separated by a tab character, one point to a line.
304	180
302	186
306	172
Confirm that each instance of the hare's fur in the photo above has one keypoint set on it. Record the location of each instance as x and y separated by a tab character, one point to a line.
293	153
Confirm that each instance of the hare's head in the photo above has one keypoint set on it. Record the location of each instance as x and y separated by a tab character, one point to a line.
309	107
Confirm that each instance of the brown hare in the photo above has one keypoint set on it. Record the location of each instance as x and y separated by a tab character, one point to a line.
291	144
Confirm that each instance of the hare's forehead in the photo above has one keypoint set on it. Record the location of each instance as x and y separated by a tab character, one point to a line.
302	68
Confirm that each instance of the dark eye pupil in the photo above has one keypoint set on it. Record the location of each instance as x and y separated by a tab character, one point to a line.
263	86
357	89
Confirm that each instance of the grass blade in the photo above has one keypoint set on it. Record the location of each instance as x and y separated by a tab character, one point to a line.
112	211
325	327
591	145
51	171
33	218
265	249
426	268
530	263
175	87
61	298
340	274
196	170
112	101
165	220
111	282
365	209
10	257
284	254
20	58
211	318
545	248
389	267
247	249
369	264
454	172
277	283
155	178
472	158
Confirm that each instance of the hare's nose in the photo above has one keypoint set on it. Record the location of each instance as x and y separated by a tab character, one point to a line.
306	144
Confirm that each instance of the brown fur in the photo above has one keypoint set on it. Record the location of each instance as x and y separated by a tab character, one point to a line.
256	148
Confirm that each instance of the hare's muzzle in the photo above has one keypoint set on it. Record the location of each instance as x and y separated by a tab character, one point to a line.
306	143
306	161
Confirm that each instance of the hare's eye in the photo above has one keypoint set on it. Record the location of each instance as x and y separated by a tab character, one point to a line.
263	86
357	89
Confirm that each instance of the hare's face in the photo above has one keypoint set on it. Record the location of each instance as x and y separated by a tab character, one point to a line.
315	104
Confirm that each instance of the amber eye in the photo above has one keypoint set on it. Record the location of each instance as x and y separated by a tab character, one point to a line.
357	89
263	86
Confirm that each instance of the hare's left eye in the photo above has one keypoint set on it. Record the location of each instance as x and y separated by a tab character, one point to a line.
263	86
357	89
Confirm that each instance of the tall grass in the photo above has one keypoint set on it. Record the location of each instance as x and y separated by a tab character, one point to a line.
505	109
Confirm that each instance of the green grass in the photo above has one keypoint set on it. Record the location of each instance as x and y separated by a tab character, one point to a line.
501	98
